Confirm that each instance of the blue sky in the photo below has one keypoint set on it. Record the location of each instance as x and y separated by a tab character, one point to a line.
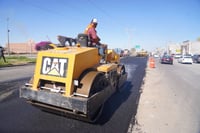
122	23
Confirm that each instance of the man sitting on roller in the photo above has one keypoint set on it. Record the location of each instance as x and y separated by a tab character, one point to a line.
94	39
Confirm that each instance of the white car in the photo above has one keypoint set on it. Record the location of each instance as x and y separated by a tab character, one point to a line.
156	56
176	56
185	59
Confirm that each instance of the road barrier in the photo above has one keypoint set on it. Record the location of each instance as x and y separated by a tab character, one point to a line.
151	62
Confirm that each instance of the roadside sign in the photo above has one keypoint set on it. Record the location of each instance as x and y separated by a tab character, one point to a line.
137	46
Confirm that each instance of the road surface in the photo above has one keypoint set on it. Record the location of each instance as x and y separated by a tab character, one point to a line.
18	116
170	100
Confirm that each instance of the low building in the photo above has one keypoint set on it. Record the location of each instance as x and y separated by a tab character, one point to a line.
185	47
195	47
188	47
174	49
21	48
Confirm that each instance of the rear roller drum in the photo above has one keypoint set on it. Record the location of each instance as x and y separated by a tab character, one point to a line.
99	84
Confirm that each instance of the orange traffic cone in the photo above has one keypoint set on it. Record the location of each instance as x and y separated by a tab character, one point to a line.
151	62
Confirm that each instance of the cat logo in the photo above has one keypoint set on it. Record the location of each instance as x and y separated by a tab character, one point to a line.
54	66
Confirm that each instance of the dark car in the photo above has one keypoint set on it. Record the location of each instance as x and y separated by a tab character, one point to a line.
166	59
196	58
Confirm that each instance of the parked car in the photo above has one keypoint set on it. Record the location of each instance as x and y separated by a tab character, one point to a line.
196	58
166	59
185	59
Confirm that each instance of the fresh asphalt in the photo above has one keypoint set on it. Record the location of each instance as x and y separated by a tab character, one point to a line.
119	111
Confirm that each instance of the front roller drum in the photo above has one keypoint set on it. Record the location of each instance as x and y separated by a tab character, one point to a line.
94	86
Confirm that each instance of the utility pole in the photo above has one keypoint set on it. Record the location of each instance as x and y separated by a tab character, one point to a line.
8	36
129	32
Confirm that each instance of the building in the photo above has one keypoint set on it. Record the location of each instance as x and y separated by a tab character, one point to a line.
185	47
174	48
21	48
188	47
195	47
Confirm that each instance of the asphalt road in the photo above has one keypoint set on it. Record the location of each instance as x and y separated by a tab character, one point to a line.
16	72
16	116
170	100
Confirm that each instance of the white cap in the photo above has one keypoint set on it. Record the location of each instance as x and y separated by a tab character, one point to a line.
94	20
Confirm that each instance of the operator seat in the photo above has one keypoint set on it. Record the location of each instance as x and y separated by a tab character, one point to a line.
64	39
83	40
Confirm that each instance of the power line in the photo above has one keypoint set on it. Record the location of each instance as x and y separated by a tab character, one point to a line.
105	13
43	8
99	8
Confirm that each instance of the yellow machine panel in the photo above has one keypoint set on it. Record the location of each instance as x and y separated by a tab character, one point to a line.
64	65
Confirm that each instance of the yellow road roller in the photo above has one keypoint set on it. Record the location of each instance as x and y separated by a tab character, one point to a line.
72	80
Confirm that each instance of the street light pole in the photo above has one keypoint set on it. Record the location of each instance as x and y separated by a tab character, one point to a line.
8	37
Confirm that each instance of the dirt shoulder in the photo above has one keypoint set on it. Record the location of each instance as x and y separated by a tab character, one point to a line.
162	107
154	103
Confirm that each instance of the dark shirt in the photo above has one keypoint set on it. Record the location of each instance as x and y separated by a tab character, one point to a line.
92	33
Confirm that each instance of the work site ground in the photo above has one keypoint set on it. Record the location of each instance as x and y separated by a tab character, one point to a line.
150	117
161	109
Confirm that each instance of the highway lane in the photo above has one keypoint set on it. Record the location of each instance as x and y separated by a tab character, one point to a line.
184	83
18	116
